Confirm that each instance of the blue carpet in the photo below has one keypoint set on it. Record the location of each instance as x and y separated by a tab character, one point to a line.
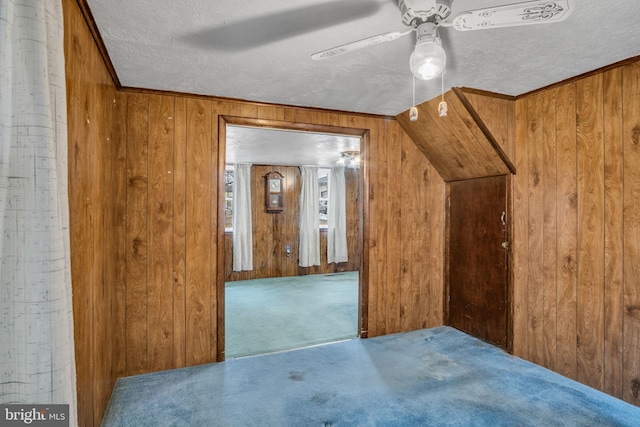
431	377
275	314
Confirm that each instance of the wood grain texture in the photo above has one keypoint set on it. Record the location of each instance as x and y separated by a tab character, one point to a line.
458	145
520	236
535	185
549	229
382	190
631	308
178	303
198	234
594	238
160	193
478	286
273	232
613	232
97	183
498	114
409	291
193	306
136	267
109	277
434	196
394	245
81	166
567	229
590	169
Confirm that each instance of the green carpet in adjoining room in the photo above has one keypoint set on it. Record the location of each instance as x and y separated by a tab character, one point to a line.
274	314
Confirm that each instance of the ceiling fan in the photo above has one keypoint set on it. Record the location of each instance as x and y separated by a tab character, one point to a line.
428	59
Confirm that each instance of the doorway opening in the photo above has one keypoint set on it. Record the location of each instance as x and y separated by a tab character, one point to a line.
276	304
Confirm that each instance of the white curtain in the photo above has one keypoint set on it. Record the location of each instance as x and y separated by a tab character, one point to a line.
37	361
337	217
309	251
242	226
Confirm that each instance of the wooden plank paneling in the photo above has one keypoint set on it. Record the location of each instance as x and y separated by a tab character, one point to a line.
117	229
81	166
613	232
549	230
386	311
394	245
376	204
498	114
435	234
164	310
179	232
458	145
535	279
97	184
590	167
631	309
567	229
596	311
409	290
596	314
594	238
137	351
198	234
521	234
160	226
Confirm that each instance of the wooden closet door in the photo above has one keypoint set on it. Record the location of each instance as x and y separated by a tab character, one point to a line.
478	279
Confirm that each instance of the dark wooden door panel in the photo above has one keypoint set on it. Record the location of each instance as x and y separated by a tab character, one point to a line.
477	258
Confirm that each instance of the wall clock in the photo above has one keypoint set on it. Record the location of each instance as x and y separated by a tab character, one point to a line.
274	195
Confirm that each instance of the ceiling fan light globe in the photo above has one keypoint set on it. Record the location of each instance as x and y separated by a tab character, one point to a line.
428	59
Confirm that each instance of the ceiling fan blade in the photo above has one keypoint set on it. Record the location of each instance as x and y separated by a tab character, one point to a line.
531	12
360	44
256	31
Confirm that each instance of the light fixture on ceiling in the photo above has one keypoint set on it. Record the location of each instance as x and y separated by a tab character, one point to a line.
425	16
427	61
428	58
350	159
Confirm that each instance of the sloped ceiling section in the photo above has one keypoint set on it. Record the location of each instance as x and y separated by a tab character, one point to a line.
459	145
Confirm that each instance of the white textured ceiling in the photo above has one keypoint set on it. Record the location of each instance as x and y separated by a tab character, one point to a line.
259	50
284	147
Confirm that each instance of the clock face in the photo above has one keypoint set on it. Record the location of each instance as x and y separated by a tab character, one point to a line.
274	185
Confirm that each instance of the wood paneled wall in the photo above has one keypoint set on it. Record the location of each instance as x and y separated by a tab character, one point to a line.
144	171
173	158
97	207
272	232
577	230
459	145
498	114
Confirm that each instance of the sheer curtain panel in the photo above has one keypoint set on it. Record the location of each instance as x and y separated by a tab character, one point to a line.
242	225
309	250
337	250
37	364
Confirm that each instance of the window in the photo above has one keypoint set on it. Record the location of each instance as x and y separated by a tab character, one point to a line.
323	187
229	175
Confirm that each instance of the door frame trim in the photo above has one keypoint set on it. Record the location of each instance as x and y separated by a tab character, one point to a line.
363	184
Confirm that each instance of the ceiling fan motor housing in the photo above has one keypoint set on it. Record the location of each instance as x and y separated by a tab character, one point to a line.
416	12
